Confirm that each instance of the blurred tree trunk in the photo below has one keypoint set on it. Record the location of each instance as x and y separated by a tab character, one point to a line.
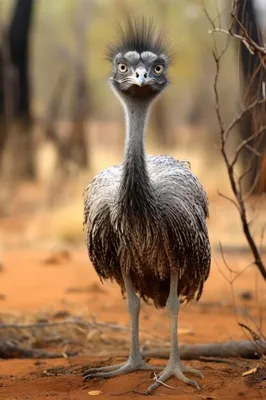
81	106
253	79
16	143
73	151
81	99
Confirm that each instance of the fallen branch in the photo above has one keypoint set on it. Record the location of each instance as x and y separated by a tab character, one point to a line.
240	349
9	350
203	352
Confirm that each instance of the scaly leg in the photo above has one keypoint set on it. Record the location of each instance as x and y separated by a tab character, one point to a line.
135	360
174	366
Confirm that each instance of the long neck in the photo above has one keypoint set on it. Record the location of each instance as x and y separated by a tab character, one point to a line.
135	183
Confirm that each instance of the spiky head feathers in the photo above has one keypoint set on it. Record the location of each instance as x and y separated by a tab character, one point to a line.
139	35
140	60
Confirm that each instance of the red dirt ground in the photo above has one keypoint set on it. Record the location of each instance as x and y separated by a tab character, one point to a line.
29	286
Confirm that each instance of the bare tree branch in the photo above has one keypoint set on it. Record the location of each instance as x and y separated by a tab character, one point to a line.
225	132
245	142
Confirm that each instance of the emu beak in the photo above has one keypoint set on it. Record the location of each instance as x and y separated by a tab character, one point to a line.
140	77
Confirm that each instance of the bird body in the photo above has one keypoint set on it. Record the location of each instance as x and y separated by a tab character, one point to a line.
147	236
146	218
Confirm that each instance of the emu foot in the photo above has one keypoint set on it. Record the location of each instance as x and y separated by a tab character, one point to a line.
176	369
119	369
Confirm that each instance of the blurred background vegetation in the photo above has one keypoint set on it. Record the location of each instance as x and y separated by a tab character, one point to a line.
59	29
74	126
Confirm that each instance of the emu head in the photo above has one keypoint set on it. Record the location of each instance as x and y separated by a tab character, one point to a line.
140	61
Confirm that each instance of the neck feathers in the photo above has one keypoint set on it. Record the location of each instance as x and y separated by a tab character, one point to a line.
136	206
135	189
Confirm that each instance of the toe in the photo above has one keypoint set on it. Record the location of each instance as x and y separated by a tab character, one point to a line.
193	371
195	384
109	374
151	388
179	374
119	370
101	369
161	379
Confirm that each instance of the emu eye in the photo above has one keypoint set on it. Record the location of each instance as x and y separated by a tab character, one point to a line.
158	69
122	67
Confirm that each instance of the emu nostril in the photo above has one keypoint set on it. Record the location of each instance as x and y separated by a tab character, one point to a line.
137	74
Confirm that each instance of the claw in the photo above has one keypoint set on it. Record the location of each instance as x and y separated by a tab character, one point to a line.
192	371
194	383
119	369
101	369
175	369
122	370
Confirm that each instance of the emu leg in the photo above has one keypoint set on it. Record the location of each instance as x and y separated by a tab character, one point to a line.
135	360
174	366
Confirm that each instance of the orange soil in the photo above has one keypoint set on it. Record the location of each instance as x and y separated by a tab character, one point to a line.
30	285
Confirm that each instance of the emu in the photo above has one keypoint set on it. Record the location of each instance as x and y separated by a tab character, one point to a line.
146	218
